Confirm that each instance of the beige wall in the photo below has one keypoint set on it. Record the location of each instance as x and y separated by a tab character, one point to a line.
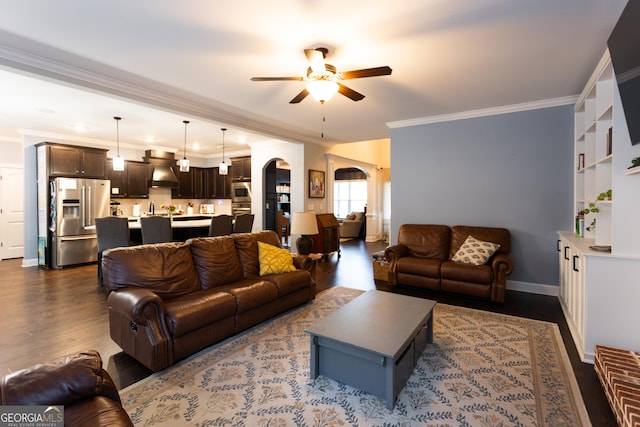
377	152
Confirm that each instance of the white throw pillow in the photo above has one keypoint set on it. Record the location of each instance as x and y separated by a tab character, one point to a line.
475	252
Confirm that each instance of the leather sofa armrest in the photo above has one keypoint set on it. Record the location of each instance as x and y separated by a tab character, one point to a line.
393	254
302	262
133	303
502	266
61	381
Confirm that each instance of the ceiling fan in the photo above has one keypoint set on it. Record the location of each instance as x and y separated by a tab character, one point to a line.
324	79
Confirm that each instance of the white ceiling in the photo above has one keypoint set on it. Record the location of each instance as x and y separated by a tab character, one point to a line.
159	62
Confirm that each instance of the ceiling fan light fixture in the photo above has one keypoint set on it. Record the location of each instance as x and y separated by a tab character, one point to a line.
223	168
184	163
322	90
118	162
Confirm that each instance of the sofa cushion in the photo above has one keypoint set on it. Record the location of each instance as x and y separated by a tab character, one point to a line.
247	247
475	252
274	260
480	274
427	267
165	268
216	260
426	240
198	309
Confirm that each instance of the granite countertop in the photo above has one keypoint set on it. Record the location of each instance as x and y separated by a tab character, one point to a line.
179	221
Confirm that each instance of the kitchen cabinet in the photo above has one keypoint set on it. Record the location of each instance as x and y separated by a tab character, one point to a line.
198	183
202	183
138	176
74	161
185	188
240	168
132	182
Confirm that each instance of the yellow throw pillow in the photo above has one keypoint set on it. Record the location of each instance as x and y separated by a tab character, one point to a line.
274	260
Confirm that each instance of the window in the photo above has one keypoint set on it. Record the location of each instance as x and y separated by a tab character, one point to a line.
349	196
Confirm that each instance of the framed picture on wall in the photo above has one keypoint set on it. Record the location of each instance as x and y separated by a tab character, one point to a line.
316	184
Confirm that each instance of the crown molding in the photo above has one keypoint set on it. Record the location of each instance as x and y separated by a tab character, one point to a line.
493	111
137	89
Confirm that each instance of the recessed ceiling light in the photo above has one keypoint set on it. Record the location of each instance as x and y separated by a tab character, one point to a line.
242	139
150	139
196	147
80	127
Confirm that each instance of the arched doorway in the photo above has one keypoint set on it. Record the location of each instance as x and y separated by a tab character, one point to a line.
277	195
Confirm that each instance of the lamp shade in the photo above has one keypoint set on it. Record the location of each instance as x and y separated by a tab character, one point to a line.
304	223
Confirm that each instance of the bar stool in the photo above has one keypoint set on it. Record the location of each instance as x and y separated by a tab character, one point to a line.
221	225
112	232
156	229
243	223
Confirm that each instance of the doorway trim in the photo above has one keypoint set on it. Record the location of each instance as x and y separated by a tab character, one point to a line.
374	191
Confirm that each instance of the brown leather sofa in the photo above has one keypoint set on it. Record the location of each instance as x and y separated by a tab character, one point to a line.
77	381
169	300
423	258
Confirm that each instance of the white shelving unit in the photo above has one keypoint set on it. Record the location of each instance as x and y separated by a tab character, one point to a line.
598	290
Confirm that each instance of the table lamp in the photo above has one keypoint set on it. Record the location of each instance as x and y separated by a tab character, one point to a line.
304	223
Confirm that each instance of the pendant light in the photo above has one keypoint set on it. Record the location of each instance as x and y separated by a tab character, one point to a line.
118	162
223	168
184	163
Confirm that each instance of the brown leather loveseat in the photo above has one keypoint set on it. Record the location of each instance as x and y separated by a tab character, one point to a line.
77	382
170	300
427	256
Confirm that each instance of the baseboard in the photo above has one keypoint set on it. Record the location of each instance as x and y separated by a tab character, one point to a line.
33	262
533	288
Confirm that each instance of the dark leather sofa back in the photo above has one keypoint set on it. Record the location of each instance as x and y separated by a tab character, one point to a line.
426	240
247	246
501	236
165	268
216	260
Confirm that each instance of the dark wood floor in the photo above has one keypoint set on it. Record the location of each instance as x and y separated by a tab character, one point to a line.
50	313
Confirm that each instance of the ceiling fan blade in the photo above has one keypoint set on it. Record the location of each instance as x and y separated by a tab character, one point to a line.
366	72
316	60
299	97
272	79
350	93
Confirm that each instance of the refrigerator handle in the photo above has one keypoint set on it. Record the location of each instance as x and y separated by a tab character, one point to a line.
88	207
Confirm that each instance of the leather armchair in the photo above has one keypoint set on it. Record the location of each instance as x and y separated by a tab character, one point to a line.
77	381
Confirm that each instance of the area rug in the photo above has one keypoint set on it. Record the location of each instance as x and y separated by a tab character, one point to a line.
483	369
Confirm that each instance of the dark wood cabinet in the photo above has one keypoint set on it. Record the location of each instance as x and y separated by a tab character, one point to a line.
328	238
72	161
132	182
185	188
118	180
240	168
202	183
138	175
198	183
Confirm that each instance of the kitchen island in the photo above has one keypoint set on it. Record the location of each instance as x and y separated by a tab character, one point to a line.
184	227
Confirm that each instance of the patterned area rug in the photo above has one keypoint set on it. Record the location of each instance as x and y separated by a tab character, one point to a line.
483	369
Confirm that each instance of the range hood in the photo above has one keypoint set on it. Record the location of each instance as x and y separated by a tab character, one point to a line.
163	173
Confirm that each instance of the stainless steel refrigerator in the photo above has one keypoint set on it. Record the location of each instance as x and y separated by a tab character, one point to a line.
75	203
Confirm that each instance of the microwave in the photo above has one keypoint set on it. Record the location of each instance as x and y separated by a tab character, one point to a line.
240	192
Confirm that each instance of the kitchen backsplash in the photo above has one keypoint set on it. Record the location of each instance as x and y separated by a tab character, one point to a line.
160	196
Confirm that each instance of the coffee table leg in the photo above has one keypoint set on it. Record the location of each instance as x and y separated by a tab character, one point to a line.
430	329
313	358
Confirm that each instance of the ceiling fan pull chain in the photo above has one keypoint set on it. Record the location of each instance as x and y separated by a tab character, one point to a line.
323	120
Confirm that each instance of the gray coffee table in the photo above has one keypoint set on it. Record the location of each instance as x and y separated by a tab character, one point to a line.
373	342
